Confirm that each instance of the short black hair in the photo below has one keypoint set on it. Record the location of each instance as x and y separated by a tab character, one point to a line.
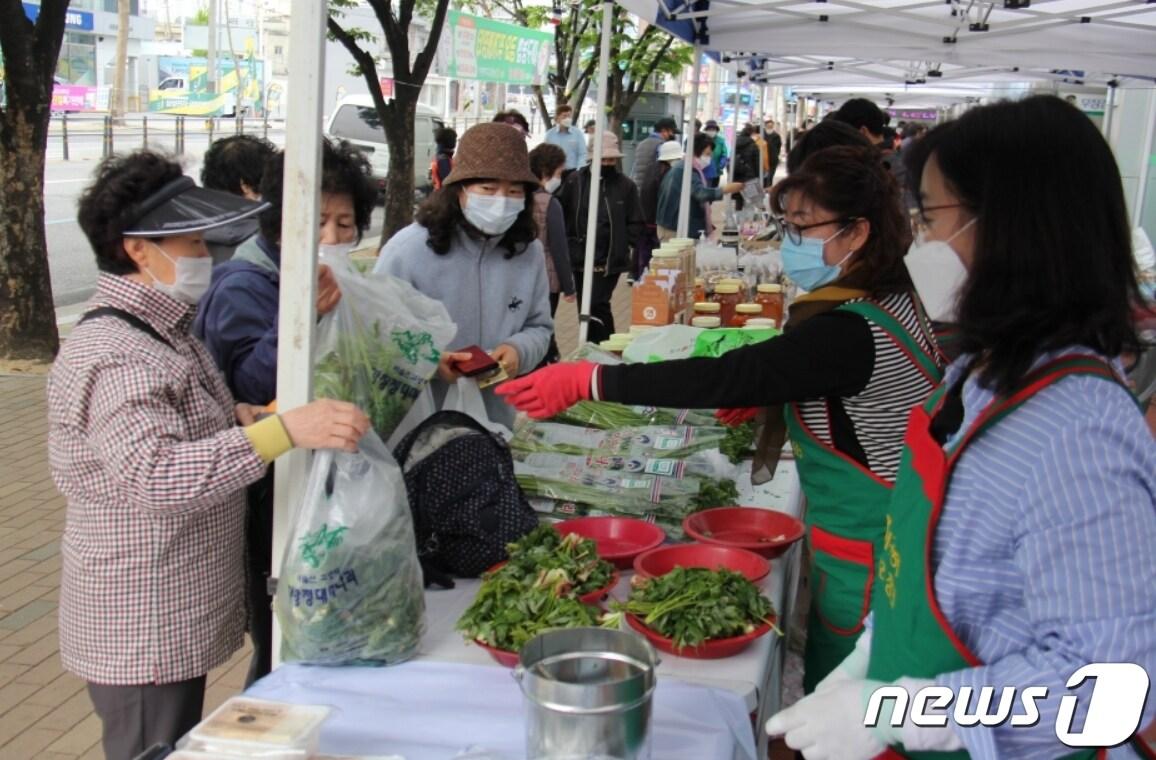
107	206
545	160
236	159
828	133
446	138
861	112
702	141
512	117
1053	264
666	122
344	171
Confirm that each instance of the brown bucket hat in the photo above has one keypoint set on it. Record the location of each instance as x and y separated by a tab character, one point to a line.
492	151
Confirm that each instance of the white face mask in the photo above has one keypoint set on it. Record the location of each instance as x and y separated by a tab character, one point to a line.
492	214
564	122
938	274
552	184
193	275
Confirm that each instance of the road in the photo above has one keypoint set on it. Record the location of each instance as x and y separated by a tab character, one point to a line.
70	258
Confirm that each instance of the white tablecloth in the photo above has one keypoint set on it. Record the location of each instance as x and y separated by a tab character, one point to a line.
437	711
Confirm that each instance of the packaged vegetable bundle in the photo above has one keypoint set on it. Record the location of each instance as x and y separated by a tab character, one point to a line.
380	346
350	591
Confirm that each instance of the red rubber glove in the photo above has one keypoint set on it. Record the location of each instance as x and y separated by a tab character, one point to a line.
550	390
736	417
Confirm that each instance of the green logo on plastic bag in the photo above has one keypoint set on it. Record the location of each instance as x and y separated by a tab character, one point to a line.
412	344
314	546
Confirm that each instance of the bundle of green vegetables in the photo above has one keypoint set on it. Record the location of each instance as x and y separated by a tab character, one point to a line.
537	589
571	558
693	605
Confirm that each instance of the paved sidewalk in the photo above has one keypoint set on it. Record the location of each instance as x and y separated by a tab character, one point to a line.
45	713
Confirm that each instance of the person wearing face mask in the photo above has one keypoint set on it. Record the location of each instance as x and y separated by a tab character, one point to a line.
620	227
856	356
238	321
474	248
568	138
701	194
153	454
1020	530
720	155
547	162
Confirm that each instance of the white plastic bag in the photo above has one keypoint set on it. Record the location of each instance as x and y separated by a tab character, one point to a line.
379	347
466	397
422	410
662	344
350	590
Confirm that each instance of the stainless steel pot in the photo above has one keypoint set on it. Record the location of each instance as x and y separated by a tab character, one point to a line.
587	694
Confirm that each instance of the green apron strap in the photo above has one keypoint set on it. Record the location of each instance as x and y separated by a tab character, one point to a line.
895	330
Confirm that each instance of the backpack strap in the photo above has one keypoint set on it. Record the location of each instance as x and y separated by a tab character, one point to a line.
128	318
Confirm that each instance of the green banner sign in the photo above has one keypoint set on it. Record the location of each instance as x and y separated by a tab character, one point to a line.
490	51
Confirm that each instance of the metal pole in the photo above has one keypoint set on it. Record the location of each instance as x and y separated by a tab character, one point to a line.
144	131
595	202
1145	161
107	136
212	127
180	135
688	154
300	222
1109	111
211	62
735	125
760	120
64	133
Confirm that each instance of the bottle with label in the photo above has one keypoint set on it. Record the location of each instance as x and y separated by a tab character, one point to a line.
726	295
745	311
770	296
699	290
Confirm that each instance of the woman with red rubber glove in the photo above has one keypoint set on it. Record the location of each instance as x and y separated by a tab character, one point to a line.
858	354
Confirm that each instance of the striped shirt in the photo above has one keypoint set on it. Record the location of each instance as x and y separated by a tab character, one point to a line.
895	386
143	445
1045	557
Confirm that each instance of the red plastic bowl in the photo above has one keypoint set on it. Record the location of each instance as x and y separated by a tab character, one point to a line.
619	539
662	560
762	531
708	650
501	656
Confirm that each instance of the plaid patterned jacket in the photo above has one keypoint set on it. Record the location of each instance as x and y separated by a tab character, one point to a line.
143	445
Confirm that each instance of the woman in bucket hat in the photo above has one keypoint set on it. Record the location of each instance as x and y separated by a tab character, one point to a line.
475	248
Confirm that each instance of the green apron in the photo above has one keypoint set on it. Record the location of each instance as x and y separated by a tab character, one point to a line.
910	635
846	503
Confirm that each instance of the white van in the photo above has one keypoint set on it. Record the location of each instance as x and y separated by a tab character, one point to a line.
355	119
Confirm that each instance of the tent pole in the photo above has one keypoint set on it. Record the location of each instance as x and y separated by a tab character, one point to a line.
760	119
688	155
1145	161
594	203
299	225
1109	112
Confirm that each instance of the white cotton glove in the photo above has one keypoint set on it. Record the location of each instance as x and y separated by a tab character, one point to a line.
853	666
828	724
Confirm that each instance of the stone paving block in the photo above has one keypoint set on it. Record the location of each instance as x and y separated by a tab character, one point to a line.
80	738
19	718
44	673
12	694
67	714
30	634
30	611
36	653
10	671
63	688
29	744
15	583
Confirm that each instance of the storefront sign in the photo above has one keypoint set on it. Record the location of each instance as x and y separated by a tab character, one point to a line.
490	51
79	21
72	97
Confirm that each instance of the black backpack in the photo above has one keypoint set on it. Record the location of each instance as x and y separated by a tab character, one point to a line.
465	500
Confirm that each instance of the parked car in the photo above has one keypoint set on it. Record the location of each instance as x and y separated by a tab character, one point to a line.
356	120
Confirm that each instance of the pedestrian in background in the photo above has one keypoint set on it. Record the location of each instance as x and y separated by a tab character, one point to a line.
669	153
446	140
235	164
619	227
515	119
548	162
774	146
645	162
720	156
701	194
570	140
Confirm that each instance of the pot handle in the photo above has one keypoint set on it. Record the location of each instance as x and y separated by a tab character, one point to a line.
517	672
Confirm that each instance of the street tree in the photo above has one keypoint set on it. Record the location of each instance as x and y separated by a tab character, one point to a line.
29	50
118	103
637	53
398	114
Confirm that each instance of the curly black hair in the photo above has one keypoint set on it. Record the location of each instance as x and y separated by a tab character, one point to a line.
234	160
107	206
344	171
441	214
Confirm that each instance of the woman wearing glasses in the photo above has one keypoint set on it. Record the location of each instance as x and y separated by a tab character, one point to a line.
1020	532
856	357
